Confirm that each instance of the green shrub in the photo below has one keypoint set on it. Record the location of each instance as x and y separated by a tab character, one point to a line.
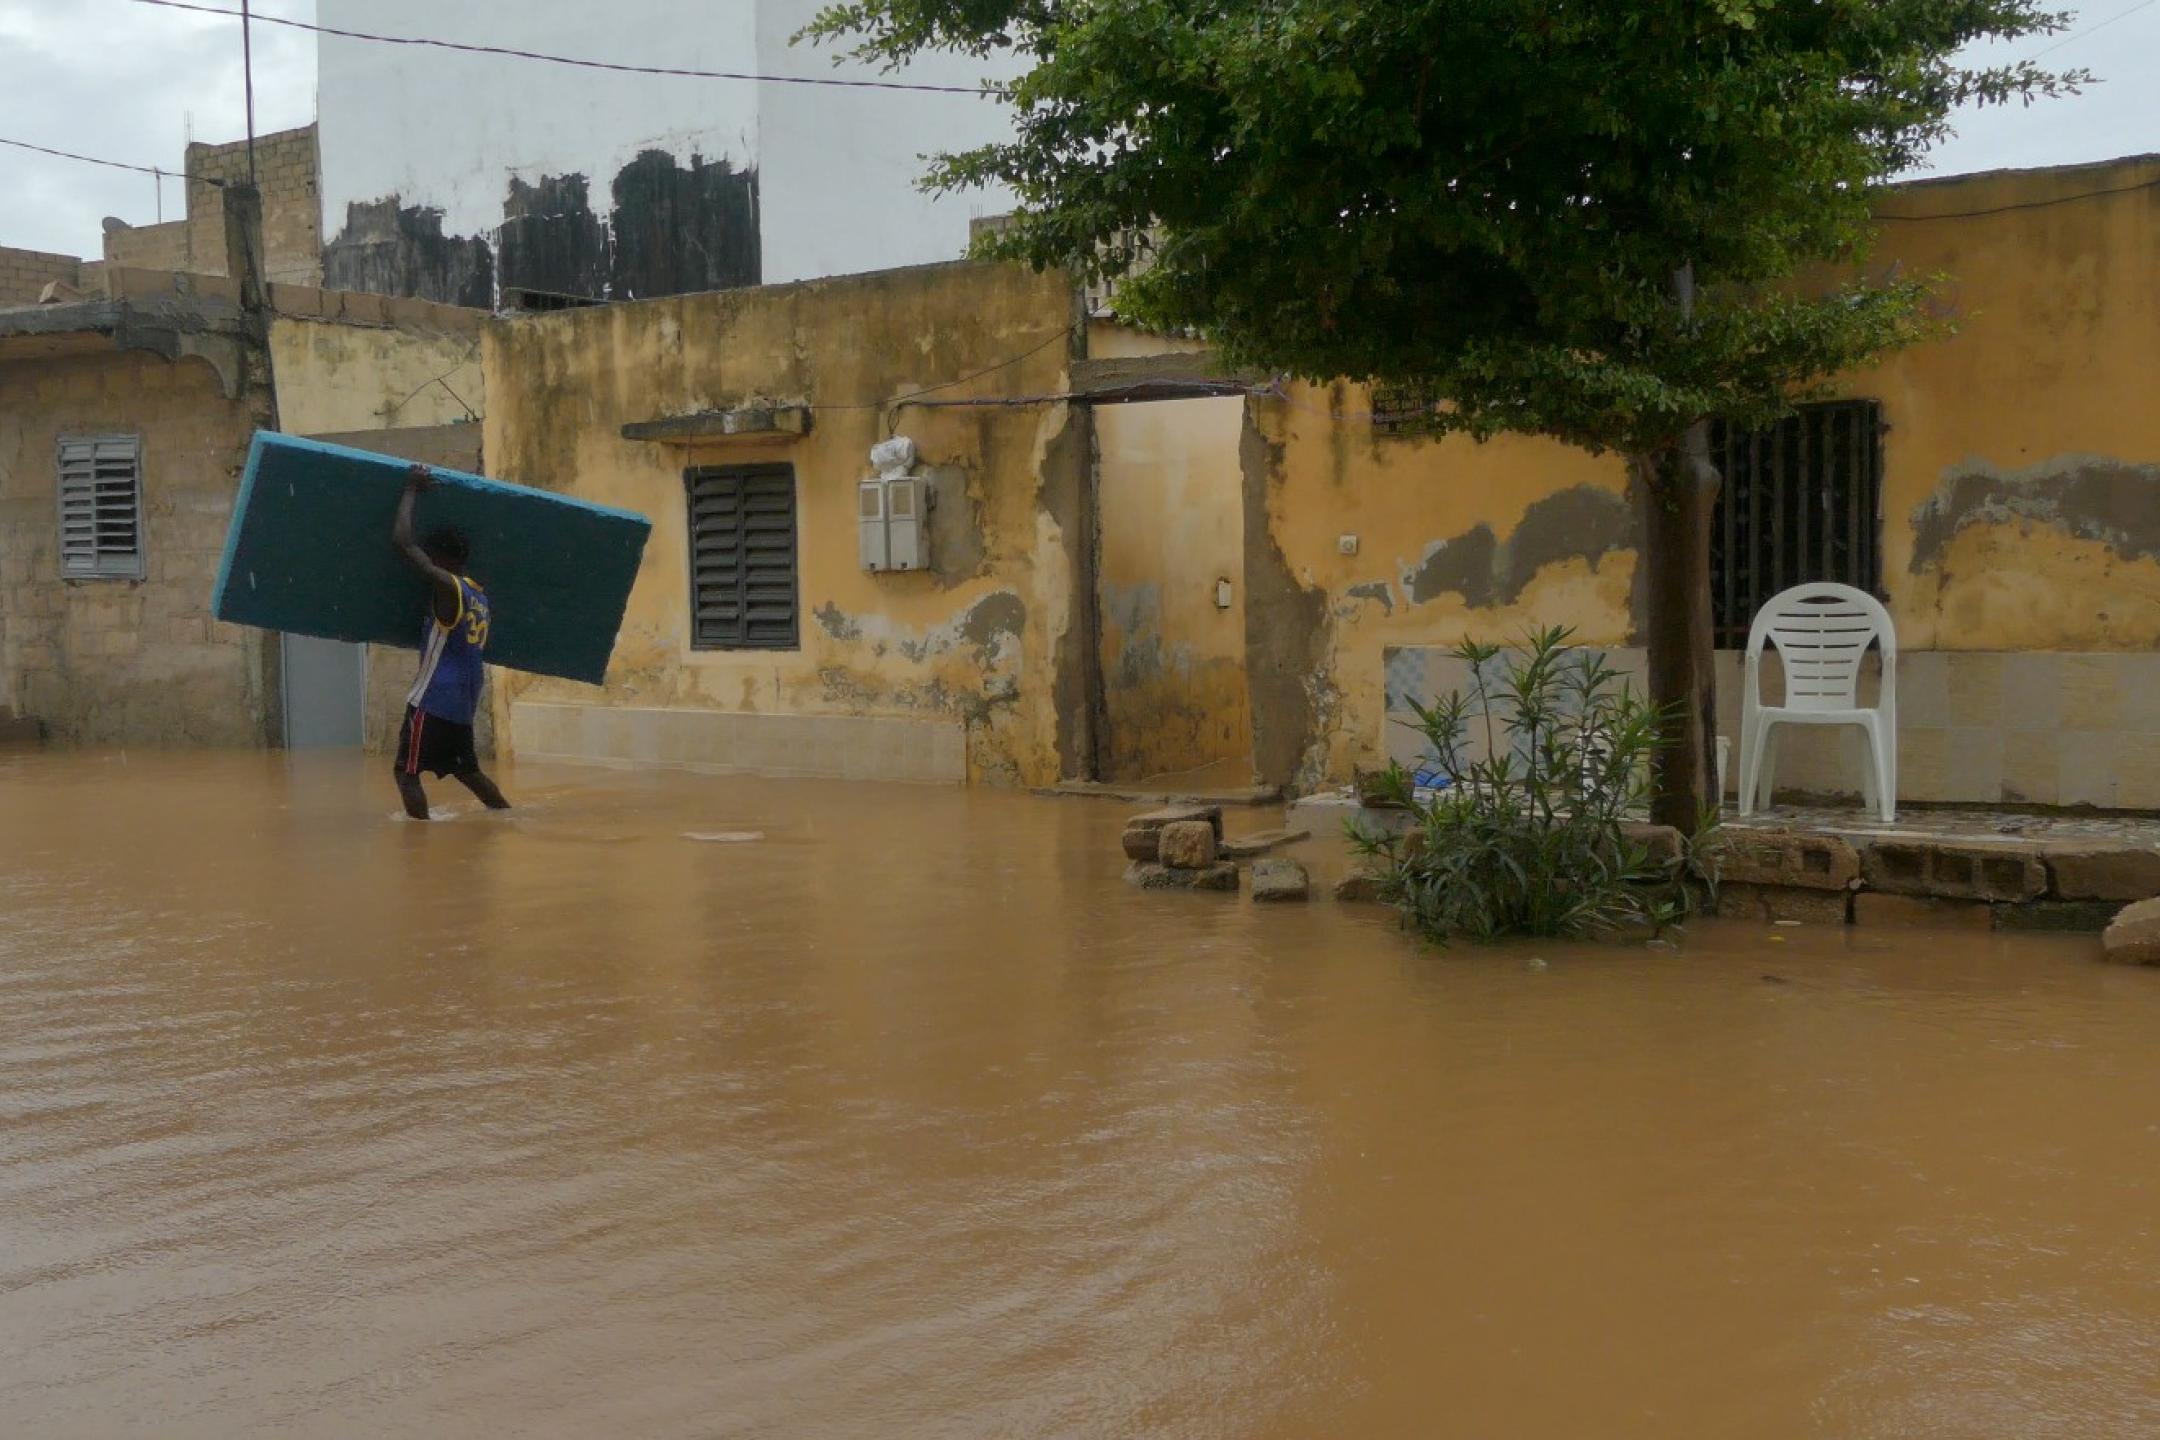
1550	758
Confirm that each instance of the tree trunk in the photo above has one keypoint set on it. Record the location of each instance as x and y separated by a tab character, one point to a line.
1678	487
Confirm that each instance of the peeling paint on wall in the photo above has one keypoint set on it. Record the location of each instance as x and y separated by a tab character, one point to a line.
1582	522
1378	591
2087	497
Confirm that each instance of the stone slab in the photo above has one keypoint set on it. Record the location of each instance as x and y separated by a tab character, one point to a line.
1259	842
1278	880
2118	873
1173	814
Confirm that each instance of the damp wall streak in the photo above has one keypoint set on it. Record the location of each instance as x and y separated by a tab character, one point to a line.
671	229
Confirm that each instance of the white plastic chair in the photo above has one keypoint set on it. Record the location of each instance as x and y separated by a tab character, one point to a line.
1821	633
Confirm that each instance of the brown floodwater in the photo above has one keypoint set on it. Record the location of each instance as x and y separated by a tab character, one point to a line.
889	1112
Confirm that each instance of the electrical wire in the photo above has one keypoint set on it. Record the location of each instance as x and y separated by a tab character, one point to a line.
509	52
112	164
2026	204
2077	35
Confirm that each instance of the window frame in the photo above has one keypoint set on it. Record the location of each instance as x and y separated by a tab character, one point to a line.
134	565
744	642
1860	450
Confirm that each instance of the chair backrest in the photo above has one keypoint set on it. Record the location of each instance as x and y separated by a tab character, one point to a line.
1821	632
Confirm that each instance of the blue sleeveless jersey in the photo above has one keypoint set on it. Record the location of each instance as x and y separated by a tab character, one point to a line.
450	664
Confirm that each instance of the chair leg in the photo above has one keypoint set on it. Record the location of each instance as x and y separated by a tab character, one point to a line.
1882	743
1869	790
1768	797
1752	739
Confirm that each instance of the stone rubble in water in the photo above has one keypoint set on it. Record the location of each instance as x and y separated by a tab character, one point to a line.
1277	880
2134	938
1259	842
1147	875
1187	845
1360	887
1143	833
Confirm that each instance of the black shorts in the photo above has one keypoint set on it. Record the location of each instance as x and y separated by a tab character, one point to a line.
438	746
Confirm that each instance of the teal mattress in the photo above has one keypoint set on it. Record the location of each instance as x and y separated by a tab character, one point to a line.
309	552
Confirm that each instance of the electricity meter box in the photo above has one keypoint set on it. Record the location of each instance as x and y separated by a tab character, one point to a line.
904	504
870	518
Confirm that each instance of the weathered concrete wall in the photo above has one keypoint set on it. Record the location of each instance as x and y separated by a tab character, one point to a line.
24	274
1173	526
288	174
1357	542
2019	505
122	661
988	639
334	375
2021	468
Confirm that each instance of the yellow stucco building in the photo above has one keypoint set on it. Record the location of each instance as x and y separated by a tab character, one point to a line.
1134	574
1104	560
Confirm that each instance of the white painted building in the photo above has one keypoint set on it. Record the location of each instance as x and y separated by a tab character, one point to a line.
456	175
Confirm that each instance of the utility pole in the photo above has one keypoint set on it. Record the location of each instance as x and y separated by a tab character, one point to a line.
247	81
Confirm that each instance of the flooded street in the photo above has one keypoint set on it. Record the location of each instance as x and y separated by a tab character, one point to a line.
670	1105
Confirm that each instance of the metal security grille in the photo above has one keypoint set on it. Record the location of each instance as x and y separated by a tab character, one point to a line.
1404	407
742	558
101	507
1801	502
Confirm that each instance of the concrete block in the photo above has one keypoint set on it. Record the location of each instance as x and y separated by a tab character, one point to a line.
1142	842
2077	917
2118	873
2134	937
1921	912
1187	845
1662	841
1788	858
1781	902
1258	842
1221	876
1953	871
1173	814
1278	880
357	308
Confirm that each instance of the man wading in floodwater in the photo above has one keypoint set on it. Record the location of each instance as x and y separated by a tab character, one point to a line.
438	734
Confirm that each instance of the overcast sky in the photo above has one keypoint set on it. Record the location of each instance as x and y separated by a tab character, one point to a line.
125	81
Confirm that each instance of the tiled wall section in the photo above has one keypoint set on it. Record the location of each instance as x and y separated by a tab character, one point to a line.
842	747
1974	727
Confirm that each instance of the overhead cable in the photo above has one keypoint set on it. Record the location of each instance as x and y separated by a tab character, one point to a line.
581	62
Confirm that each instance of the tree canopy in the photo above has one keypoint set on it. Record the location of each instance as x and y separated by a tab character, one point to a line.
1491	197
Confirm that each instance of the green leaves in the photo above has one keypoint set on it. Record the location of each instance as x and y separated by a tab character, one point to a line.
1492	195
1550	756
